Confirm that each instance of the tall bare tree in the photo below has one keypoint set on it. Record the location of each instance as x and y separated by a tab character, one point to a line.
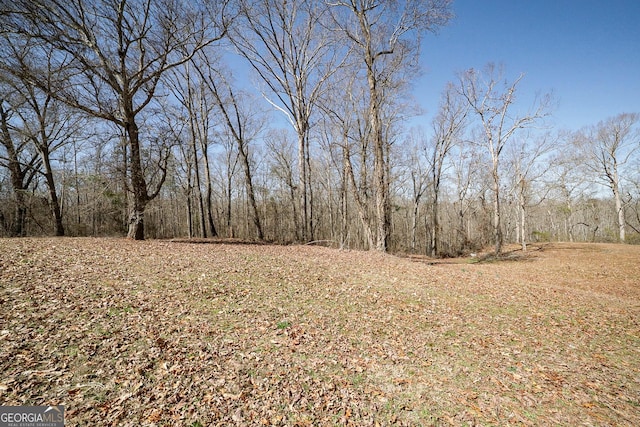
242	127
116	53
282	165
344	107
609	147
469	186
43	120
49	126
23	165
293	56
448	127
527	166
195	98
418	170
385	36
491	98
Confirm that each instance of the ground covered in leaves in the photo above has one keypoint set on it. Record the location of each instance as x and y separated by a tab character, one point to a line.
173	333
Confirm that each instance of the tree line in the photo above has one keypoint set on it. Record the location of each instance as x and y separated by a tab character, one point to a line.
137	117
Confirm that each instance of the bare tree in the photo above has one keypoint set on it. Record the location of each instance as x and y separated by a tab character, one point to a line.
527	166
49	126
344	106
385	36
22	164
609	147
227	166
115	54
195	98
293	56
282	165
491	98
468	186
416	164
241	127
448	127
187	154
43	120
567	180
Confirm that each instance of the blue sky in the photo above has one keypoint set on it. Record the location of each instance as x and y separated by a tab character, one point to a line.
586	52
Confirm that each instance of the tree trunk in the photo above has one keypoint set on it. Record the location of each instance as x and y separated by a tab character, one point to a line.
619	208
309	201
136	221
138	183
302	184
523	223
19	225
196	170
435	224
294	203
497	227
188	192
230	231
53	196
381	199
250	192
344	203
76	178
570	219
379	168
124	176
414	222
362	208
189	216
462	233
209	197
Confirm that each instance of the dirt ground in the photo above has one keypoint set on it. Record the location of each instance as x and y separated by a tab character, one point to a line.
128	333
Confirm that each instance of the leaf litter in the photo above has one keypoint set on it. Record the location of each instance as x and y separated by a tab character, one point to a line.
172	333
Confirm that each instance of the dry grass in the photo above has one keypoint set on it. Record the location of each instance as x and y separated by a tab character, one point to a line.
175	333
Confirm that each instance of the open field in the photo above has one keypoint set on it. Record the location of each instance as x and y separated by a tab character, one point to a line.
171	333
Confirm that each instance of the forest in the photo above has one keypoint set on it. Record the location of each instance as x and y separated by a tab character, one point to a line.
288	121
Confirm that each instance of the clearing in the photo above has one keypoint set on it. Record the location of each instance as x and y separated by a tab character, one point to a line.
173	333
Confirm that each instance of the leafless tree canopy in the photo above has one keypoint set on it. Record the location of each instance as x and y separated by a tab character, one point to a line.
285	121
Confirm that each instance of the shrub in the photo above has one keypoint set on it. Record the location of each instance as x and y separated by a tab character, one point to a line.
541	236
